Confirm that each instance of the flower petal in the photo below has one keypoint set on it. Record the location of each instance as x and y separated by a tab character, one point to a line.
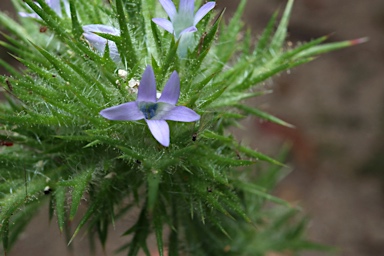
164	23
96	41
181	114
55	5
67	8
169	8
171	91
159	130
102	29
147	88
203	11
124	112
187	7
99	42
29	15
188	30
114	52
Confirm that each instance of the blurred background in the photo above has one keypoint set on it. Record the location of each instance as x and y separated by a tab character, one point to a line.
337	106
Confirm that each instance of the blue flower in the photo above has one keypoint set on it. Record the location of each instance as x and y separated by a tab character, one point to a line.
184	20
99	43
154	111
55	6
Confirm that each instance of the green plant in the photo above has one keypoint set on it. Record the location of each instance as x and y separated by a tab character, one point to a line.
206	188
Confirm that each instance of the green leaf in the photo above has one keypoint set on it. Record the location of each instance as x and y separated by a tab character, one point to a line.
126	48
321	49
211	98
91	210
303	47
173	248
262	43
80	183
13	27
4	231
267	73
60	199
255	190
158	227
141	234
76	27
153	180
263	115
281	32
67	73
233	98
170	61
256	155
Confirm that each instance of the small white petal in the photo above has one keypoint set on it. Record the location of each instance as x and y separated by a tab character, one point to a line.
122	73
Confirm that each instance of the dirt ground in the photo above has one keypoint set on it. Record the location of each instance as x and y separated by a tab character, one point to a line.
337	106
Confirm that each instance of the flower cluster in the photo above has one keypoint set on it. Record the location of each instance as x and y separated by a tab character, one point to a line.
154	111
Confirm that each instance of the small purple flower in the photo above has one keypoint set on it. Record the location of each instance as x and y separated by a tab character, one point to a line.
183	21
154	111
54	4
99	42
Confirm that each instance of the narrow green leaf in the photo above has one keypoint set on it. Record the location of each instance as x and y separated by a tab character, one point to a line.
173	247
10	69
303	47
265	37
156	38
13	27
257	155
320	49
4	231
281	32
267	73
263	115
67	73
153	180
60	206
130	153
233	98
211	98
141	234
211	135
80	183
158	227
197	57
170	60
91	210
255	190
207	39
102	230
76	27
126	49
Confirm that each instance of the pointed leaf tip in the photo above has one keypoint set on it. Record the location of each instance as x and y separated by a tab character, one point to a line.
359	41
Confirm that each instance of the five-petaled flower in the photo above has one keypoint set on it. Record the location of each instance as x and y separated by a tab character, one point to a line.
184	20
55	6
99	42
154	111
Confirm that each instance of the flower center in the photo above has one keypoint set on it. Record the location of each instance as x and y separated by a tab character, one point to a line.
182	21
148	109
